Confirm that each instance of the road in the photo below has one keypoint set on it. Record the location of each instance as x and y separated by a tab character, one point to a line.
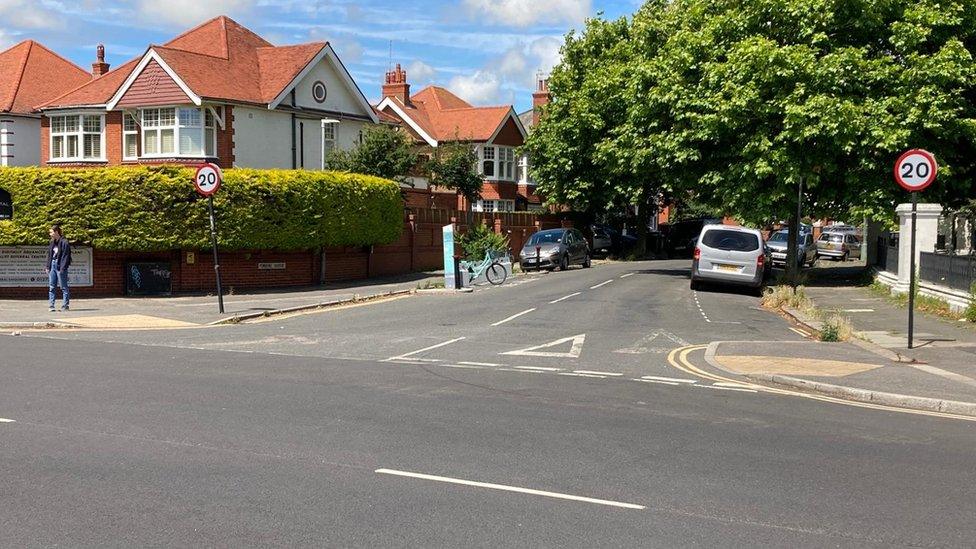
542	413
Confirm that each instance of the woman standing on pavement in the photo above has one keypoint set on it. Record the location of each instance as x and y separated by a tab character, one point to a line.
58	261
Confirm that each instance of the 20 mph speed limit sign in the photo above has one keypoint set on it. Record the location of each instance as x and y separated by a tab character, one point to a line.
915	170
207	179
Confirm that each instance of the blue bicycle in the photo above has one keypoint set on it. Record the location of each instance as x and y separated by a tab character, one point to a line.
493	270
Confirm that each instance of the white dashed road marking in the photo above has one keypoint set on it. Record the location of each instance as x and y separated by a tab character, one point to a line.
626	275
513	317
539	368
700	310
601	284
506	488
597	373
671	379
479	363
565	297
5	420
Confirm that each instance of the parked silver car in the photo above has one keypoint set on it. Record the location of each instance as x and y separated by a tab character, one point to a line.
730	255
779	242
841	246
555	248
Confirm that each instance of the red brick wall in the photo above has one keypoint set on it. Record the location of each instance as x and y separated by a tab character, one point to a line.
509	135
419	248
153	87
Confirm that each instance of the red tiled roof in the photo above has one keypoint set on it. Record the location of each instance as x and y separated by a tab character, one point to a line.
446	117
31	74
219	59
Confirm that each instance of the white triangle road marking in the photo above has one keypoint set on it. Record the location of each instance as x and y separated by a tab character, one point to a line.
574	351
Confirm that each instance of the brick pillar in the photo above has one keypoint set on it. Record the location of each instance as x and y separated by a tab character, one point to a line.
498	225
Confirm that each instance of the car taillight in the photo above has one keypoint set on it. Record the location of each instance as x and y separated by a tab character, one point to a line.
697	252
760	261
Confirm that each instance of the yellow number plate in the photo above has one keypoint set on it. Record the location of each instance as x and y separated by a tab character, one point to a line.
731	268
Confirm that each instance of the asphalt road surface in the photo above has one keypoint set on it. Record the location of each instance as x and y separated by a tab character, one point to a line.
541	413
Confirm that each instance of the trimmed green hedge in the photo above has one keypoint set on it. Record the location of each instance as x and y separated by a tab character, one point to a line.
157	208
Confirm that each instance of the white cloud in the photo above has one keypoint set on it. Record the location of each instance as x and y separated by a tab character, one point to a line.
349	50
545	51
524	13
6	39
29	14
513	63
481	88
420	73
190	12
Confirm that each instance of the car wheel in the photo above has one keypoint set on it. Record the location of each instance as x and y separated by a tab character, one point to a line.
844	257
564	263
587	262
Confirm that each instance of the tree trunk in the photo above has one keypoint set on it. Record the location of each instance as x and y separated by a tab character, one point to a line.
792	266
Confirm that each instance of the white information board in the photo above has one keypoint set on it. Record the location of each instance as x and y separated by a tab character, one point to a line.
23	266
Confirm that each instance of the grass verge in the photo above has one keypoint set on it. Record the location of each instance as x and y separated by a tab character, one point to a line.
835	327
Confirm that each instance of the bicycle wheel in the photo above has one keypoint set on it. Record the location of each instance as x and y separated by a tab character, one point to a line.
496	274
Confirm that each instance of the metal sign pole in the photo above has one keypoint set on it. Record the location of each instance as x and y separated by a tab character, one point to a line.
911	276
213	242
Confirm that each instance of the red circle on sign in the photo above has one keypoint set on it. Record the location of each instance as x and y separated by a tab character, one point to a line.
207	179
915	170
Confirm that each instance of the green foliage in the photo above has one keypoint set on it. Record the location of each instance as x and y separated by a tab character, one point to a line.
147	209
736	101
479	240
384	152
454	165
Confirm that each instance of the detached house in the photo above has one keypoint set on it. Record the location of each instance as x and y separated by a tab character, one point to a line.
217	93
30	75
435	116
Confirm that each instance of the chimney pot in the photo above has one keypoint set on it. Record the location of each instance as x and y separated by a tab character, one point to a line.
99	67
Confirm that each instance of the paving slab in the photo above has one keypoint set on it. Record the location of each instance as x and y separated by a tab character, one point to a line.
194	310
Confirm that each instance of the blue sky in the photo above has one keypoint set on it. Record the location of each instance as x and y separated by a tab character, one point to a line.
487	51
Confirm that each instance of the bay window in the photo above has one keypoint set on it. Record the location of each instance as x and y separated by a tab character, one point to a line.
77	137
488	161
523	169
491	206
498	162
172	131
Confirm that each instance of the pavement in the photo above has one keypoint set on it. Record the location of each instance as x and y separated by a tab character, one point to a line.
196	310
573	409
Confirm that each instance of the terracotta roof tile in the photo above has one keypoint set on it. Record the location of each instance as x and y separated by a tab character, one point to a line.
219	59
31	74
446	117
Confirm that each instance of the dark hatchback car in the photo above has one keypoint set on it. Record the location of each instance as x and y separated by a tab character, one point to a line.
607	240
681	236
555	248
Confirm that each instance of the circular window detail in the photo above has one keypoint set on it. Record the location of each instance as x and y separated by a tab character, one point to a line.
319	92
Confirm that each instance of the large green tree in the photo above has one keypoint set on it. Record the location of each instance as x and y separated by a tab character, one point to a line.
383	152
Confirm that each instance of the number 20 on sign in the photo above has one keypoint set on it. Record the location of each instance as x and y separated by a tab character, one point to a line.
916	170
207	179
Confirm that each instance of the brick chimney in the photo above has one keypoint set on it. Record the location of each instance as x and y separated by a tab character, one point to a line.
99	67
540	98
396	85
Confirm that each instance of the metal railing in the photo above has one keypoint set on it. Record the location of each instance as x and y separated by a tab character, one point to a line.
954	271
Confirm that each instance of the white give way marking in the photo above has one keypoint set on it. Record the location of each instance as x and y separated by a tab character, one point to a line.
506	488
574	351
665	342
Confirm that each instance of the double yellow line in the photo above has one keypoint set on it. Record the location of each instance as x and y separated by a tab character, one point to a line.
678	358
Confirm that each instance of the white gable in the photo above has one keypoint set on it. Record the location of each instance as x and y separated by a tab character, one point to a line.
341	92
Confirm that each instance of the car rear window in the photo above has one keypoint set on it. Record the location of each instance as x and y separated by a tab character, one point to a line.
734	241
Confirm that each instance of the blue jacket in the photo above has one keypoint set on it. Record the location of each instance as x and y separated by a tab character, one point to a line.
64	254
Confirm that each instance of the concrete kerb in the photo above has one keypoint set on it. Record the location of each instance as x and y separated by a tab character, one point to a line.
35	325
844	392
815	326
237	319
869	396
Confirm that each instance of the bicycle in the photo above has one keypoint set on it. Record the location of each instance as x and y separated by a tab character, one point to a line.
493	270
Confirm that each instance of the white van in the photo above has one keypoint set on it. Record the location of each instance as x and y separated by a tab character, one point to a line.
730	255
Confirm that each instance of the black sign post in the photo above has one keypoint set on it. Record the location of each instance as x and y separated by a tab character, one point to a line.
207	180
914	171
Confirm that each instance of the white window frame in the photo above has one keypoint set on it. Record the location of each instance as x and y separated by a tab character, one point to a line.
496	206
523	169
330	129
502	159
136	133
79	133
179	126
484	157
